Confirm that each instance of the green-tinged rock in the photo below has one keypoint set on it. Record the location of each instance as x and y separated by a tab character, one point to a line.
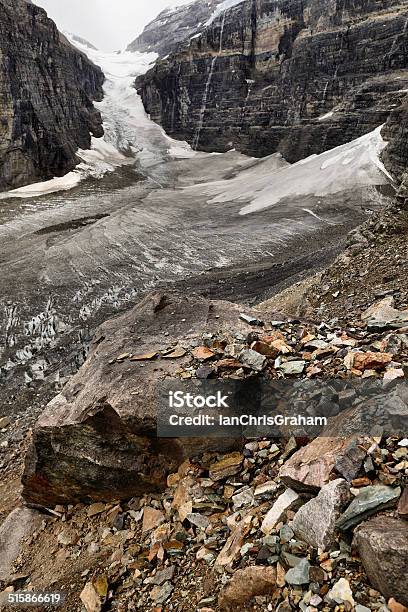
369	501
299	574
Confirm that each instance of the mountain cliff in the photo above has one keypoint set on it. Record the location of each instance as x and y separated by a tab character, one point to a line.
293	76
174	27
47	88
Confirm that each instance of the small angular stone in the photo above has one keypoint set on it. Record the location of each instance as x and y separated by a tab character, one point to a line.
252	359
250	320
152	518
202	353
199	520
162	576
291	368
286	501
95	509
227	466
299	574
94	594
159	594
145	356
245	584
341	592
4	422
394	606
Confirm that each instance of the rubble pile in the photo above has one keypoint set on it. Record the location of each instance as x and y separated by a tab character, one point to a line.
372	267
273	524
228	534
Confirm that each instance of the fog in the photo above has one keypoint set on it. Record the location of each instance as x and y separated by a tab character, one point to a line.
108	24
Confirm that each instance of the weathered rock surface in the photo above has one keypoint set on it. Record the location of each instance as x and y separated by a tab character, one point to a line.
288	76
383	315
46	92
315	522
20	523
382	544
97	439
403	504
369	501
314	465
246	584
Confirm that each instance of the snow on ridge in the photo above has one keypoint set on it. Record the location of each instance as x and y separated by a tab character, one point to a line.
221	8
267	181
352	165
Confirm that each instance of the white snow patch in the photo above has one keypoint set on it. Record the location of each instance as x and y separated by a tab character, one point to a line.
355	164
265	182
221	8
326	116
249	181
96	162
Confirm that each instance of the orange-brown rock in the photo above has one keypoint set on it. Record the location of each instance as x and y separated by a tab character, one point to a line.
246	584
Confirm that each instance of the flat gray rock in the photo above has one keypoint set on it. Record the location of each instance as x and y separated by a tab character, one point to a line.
369	501
299	574
19	524
383	315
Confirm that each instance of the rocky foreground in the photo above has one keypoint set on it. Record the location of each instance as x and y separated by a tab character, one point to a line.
120	520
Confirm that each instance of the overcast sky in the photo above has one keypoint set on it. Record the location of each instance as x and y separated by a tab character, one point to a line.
108	24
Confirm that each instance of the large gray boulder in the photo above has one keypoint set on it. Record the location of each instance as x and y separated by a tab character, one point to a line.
382	544
315	522
97	439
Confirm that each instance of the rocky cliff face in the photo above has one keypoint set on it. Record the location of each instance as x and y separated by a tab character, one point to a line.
174	27
292	76
46	93
396	154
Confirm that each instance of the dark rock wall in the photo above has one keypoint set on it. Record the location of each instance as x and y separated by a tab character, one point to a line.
283	66
46	93
396	154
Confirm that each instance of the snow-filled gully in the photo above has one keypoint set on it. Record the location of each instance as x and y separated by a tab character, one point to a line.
71	256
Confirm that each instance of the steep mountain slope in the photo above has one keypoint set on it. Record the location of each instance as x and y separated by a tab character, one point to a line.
46	93
293	76
173	27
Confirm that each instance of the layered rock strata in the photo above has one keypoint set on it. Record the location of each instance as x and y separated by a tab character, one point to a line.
289	76
47	88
